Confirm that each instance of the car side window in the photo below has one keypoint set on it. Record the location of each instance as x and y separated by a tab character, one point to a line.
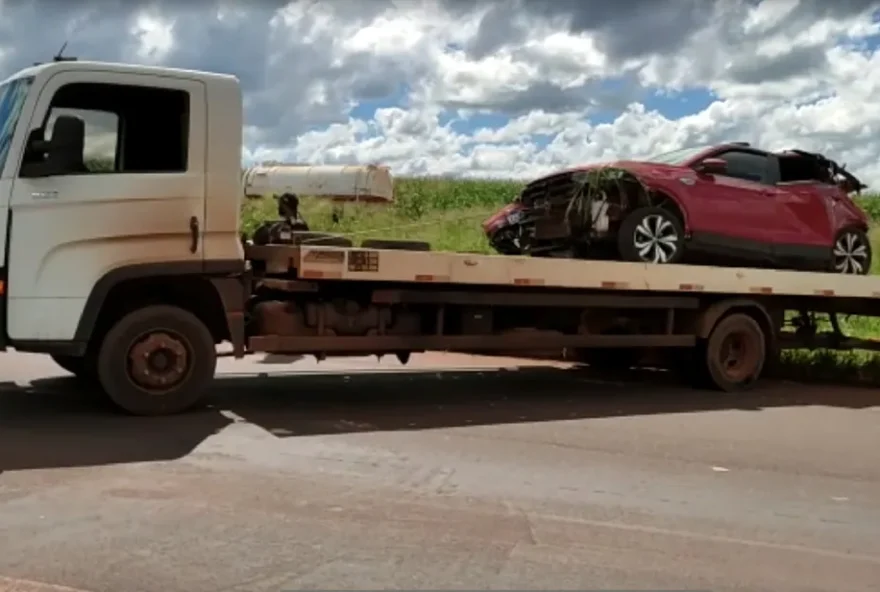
745	165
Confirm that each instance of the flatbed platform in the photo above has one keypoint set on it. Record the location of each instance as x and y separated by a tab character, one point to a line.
432	267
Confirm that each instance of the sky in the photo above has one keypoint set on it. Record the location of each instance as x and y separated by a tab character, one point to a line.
509	89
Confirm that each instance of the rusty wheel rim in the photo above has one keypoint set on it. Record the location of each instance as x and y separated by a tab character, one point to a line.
159	361
737	356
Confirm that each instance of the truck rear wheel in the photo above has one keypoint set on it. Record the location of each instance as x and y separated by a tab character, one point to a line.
158	360
735	353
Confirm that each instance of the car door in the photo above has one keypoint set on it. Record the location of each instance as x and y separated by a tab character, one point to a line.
806	207
736	214
69	230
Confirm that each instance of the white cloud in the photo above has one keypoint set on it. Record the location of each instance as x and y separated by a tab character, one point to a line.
512	90
156	37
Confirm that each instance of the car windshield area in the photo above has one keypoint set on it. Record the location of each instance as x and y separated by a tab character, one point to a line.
12	97
677	157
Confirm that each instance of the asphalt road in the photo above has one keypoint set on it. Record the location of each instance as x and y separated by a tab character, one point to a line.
435	478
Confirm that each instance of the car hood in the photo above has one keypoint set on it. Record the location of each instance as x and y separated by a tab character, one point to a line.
644	170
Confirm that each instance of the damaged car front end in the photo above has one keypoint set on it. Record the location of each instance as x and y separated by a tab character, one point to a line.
570	213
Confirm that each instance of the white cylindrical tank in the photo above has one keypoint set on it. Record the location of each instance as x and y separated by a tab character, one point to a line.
368	183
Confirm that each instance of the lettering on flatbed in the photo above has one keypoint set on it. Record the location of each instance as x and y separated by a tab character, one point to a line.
326	257
363	261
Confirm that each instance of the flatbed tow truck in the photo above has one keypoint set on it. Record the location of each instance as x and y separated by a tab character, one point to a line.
132	275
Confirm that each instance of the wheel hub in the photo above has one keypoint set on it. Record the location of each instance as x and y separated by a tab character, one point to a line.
159	361
850	254
655	239
736	356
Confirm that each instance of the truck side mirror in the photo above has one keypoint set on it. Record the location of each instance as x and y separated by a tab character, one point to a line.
62	154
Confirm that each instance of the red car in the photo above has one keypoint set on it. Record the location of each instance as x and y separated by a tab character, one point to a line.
728	204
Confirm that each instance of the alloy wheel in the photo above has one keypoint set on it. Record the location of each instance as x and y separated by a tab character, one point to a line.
851	254
655	239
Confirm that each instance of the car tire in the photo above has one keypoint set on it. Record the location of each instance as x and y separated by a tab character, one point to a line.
851	253
651	235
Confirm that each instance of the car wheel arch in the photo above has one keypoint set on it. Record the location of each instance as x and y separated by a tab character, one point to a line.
862	226
660	196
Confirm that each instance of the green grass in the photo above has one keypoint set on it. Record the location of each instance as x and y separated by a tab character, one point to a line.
447	213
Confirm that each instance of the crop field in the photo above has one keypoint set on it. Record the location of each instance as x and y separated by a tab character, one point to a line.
447	213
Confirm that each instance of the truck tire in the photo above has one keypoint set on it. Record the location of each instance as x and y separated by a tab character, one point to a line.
82	367
158	360
735	353
395	245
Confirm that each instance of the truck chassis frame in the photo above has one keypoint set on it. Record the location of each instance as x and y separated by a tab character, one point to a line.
722	326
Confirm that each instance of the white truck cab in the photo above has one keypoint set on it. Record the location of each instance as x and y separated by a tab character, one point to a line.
111	172
120	185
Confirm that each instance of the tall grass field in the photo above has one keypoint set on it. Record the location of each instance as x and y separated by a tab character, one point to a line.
447	213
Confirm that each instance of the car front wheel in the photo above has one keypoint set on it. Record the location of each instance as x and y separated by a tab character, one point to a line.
852	252
651	235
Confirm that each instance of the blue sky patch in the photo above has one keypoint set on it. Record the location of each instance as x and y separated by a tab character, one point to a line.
366	109
679	104
478	121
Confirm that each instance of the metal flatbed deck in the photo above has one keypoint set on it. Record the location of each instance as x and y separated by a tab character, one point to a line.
433	267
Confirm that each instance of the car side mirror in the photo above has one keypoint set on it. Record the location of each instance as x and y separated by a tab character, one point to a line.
711	166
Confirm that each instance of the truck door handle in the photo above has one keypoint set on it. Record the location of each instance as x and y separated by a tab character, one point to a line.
194	233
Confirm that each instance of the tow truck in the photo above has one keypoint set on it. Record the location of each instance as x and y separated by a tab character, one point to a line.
131	275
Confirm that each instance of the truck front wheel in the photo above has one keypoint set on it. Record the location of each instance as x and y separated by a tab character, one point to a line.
158	360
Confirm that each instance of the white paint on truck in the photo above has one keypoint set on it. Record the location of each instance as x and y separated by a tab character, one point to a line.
70	230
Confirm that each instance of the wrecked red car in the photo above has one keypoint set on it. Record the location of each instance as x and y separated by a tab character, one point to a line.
727	204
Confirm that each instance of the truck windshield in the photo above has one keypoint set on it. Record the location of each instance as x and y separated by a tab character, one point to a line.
12	96
677	157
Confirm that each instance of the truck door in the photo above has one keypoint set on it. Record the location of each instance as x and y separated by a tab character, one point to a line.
14	94
137	198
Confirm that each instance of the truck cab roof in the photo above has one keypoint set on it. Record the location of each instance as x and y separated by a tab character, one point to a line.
50	68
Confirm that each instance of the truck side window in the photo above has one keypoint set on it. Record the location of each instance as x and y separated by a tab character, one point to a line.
745	165
128	128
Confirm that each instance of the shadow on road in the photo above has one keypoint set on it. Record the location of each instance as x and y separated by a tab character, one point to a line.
53	423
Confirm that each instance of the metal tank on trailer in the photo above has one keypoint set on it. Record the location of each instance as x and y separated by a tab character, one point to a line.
341	184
